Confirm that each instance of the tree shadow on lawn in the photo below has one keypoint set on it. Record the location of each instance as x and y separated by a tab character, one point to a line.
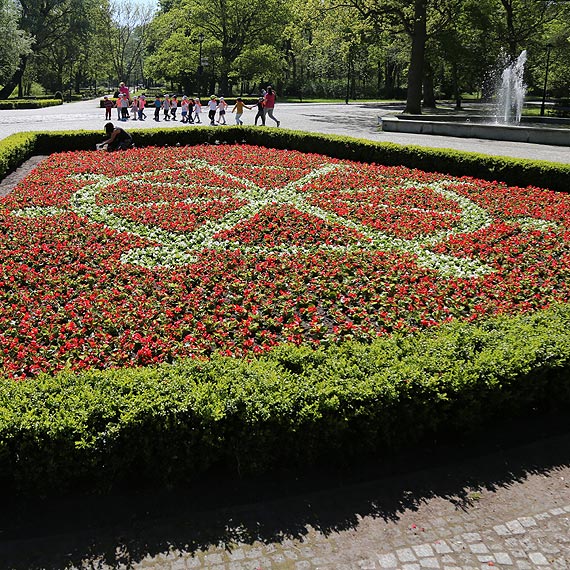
120	529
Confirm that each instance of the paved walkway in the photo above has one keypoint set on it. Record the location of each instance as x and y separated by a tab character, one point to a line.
501	500
356	119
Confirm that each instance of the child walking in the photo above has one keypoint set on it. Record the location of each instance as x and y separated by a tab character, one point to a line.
108	105
238	109
166	108
222	106
260	111
173	106
197	110
212	108
157	107
135	109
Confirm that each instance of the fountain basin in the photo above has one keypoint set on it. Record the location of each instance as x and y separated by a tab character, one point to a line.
539	132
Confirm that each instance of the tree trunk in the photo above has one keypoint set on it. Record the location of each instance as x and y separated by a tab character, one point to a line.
15	80
429	94
456	90
224	83
416	69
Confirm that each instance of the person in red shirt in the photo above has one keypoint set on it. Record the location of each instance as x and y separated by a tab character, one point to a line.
108	105
124	90
269	103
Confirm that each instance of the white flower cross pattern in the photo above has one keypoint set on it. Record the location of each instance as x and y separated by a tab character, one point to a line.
181	248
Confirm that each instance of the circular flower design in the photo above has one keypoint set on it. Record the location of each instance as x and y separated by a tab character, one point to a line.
155	254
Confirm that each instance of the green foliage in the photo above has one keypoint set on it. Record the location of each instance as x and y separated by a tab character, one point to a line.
15	42
28	103
14	150
518	172
293	406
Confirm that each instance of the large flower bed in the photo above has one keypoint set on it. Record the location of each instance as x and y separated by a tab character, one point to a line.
155	254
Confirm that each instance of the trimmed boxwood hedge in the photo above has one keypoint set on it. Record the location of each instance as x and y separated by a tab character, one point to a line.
295	405
7	104
520	172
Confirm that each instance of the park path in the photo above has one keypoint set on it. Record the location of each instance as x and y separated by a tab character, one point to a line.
355	119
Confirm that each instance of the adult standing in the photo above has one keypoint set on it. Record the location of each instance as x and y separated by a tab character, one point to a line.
269	103
124	90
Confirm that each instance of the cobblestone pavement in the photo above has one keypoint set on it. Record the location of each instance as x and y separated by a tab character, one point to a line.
355	119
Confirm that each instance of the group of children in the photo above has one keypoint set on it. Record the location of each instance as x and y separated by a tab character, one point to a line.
190	108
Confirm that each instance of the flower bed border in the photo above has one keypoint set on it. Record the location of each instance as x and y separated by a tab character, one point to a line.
293	406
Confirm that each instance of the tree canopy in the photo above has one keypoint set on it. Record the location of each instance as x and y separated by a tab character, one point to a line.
417	50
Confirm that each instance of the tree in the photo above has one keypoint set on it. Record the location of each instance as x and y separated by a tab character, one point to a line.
237	25
257	64
126	25
16	43
60	31
76	57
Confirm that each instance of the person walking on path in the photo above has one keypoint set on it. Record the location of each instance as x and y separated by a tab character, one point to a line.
108	105
238	109
173	107
212	108
157	108
124	90
184	109
166	108
135	109
118	104
141	107
222	107
124	101
260	111
269	103
197	110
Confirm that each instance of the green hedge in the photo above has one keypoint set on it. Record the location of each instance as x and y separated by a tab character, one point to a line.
28	103
520	172
294	406
14	150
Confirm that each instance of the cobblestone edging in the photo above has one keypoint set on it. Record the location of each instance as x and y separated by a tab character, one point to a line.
521	544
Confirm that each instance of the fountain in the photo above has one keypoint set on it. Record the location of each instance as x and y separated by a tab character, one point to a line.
506	124
511	92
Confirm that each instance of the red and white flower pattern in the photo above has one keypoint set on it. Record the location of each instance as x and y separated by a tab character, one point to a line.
155	254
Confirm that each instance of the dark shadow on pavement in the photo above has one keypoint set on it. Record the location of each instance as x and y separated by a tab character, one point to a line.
122	528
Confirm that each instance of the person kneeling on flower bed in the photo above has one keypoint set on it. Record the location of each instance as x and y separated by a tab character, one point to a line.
118	139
